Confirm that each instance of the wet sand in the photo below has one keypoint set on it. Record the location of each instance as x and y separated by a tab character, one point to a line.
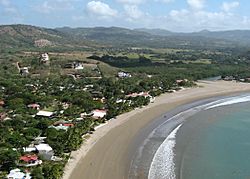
107	153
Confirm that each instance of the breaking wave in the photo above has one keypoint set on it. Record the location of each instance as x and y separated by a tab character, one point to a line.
162	165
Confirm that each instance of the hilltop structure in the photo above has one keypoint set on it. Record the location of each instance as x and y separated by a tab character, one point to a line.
44	58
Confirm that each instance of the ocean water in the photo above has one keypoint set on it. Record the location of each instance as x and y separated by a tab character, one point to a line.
207	139
215	144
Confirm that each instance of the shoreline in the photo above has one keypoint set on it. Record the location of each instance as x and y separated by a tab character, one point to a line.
104	154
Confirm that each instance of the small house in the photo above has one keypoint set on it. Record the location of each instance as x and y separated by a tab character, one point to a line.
45	151
44	58
78	66
45	114
29	160
24	71
99	113
17	174
62	126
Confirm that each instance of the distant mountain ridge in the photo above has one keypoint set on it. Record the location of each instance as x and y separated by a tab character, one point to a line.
155	38
26	36
239	36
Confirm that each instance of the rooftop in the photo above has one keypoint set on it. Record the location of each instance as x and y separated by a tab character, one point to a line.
45	113
43	147
28	158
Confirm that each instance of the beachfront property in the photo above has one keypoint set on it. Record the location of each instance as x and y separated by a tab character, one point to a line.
18	174
99	113
43	150
29	160
84	115
143	94
181	81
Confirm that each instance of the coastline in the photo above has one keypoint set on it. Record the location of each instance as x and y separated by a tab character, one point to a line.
104	154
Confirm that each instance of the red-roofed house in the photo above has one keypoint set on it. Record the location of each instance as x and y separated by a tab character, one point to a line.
68	125
29	160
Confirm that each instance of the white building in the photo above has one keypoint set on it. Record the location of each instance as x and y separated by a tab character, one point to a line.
124	75
39	148
44	57
98	113
17	174
24	71
45	150
78	66
45	113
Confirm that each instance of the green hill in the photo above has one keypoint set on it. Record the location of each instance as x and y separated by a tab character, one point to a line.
27	37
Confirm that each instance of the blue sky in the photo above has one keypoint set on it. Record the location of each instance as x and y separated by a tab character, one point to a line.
174	15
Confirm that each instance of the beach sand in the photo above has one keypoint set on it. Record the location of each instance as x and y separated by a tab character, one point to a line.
105	154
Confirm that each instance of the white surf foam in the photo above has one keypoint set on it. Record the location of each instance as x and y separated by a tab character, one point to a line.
230	101
163	165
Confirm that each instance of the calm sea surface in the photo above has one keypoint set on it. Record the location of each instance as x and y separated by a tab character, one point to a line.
215	144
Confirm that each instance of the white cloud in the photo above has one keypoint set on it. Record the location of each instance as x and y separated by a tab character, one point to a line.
228	6
101	9
189	20
196	4
133	12
131	1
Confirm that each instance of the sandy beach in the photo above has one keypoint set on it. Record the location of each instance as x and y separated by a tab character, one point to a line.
105	154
